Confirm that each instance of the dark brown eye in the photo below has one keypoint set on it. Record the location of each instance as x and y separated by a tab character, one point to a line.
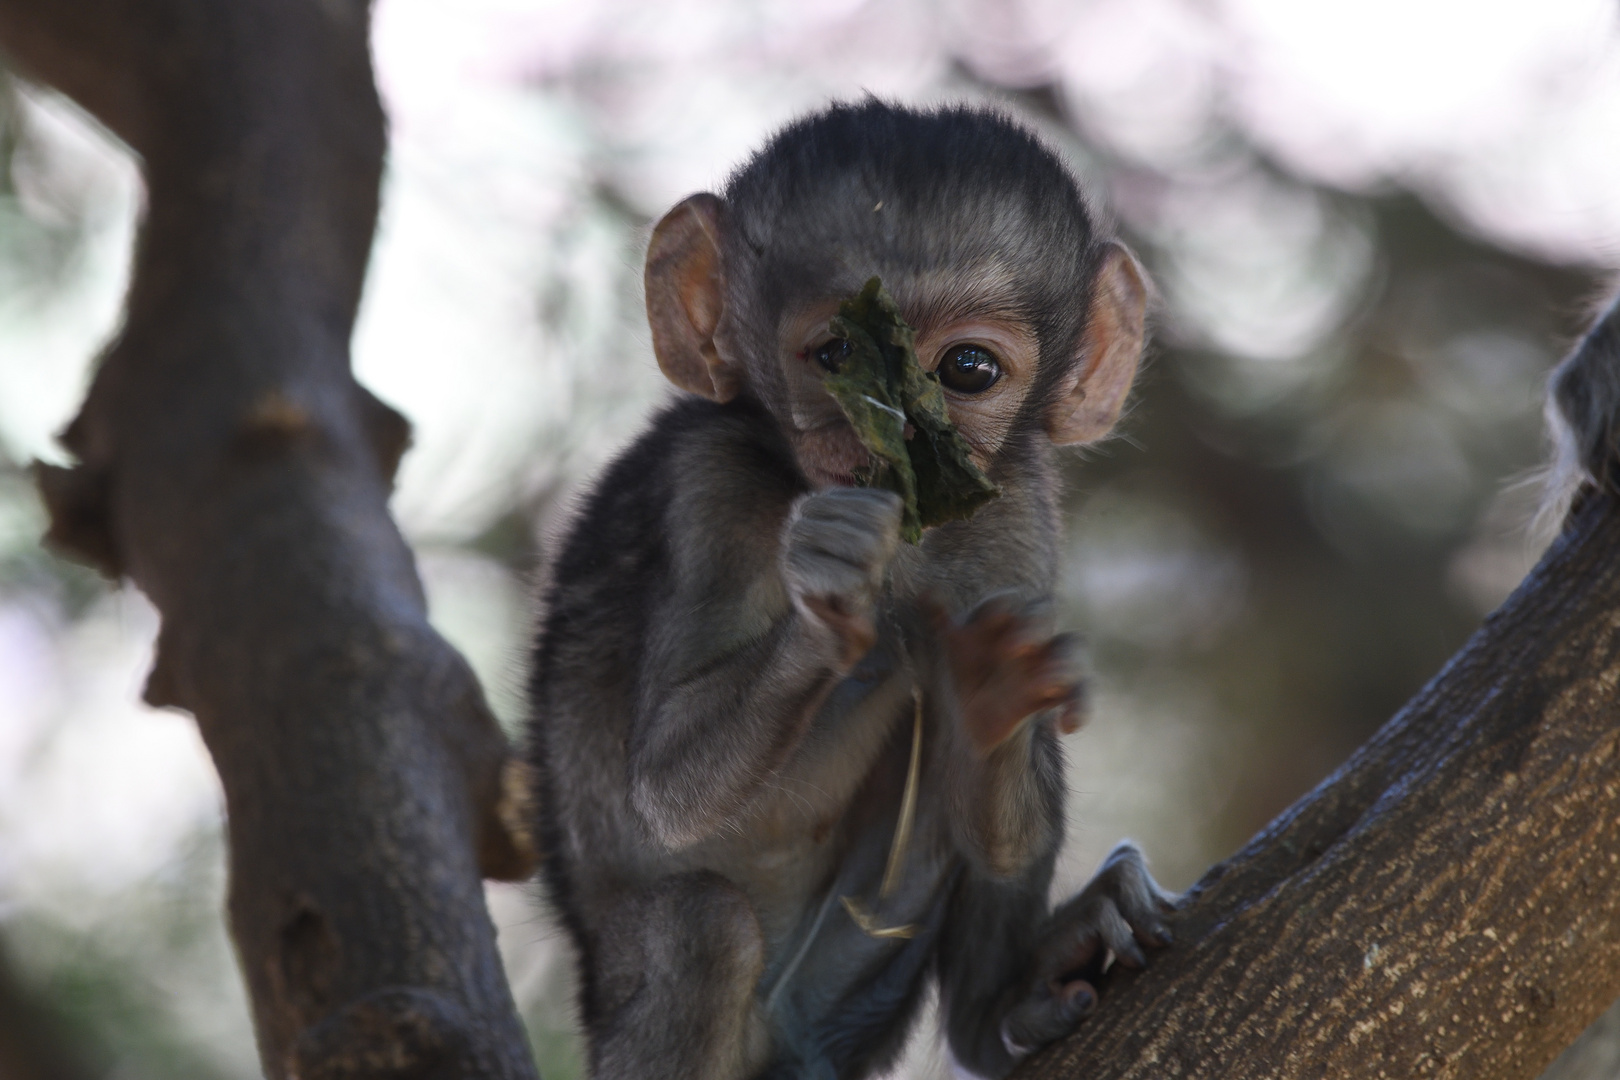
969	369
832	354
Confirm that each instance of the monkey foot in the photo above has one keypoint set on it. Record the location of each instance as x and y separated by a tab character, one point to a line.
1120	911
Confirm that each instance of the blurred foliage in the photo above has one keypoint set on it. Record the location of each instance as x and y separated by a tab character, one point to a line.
40	230
101	1001
1322	531
26	568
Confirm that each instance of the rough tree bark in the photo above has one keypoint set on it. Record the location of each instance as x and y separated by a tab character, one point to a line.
1448	903
232	467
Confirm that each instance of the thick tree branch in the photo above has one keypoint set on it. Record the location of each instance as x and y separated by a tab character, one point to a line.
1448	903
232	467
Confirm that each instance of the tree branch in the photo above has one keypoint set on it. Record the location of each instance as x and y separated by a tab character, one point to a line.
1448	903
231	465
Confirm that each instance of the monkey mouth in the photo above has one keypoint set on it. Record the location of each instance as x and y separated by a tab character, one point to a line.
831	456
821	477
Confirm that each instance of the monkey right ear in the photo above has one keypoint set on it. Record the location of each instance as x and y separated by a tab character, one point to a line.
685	281
1116	328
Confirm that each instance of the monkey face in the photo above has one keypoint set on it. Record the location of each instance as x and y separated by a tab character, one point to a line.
985	363
1032	324
974	329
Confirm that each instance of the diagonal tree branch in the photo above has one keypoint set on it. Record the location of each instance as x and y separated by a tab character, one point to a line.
1448	903
231	466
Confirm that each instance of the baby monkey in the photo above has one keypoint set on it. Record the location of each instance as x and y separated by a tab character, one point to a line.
792	768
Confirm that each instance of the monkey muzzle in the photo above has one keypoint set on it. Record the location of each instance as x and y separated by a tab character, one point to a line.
831	455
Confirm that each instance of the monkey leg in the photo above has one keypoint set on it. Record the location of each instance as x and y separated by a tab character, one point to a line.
679	967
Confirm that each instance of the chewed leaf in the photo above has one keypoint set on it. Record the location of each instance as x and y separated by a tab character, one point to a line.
881	388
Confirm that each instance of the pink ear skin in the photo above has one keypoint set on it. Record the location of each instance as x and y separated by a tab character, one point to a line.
1116	327
685	280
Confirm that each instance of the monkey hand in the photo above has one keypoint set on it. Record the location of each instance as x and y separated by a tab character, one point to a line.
1007	668
836	548
1118	912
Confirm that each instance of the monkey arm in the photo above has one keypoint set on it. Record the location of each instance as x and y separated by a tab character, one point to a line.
716	724
770	604
1005	806
999	684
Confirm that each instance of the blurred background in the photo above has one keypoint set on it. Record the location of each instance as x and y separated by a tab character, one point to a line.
1374	226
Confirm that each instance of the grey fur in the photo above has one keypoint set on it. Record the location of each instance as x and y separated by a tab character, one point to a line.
1583	416
719	769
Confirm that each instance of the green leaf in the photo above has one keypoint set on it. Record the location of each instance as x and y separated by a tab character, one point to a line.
881	388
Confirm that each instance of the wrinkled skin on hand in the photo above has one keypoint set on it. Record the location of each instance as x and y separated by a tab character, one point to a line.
898	411
836	547
1008	668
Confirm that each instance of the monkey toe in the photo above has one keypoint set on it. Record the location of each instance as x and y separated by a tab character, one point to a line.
1122	909
1049	1014
1118	935
1140	899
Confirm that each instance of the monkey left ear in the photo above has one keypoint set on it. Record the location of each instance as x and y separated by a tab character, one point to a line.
685	280
1116	326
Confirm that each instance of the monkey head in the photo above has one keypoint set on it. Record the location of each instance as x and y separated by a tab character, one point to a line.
1033	324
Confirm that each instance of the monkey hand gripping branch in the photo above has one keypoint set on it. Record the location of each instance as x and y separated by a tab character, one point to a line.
898	412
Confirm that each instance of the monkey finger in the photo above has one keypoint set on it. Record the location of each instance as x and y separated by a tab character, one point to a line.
1078	993
869	512
1029	655
1124	878
855	632
991	636
843	540
1035	611
1058	656
1052	681
1121	939
1047	1015
858	524
873	504
1154	934
979	639
999	610
1069	951
1072	716
1040	698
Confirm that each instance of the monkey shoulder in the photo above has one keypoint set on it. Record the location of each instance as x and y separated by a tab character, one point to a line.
702	473
699	479
678	511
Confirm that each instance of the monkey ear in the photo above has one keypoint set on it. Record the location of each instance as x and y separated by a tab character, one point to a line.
685	281
1116	327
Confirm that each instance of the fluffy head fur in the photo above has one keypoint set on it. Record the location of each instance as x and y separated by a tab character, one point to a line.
864	188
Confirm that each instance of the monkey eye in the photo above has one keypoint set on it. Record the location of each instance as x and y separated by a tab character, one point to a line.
969	369
831	354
